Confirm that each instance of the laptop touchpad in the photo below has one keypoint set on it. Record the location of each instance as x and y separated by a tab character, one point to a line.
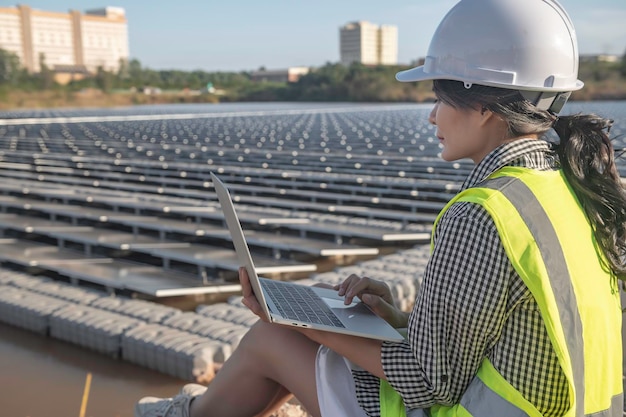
333	303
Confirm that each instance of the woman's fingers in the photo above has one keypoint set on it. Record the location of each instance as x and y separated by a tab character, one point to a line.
377	305
249	300
254	307
351	287
246	288
344	286
383	309
376	294
355	286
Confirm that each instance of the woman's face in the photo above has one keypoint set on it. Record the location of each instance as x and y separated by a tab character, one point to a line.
463	133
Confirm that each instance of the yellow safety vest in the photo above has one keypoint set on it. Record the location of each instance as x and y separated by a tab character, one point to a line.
551	245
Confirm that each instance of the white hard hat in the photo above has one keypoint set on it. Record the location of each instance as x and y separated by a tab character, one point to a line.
527	45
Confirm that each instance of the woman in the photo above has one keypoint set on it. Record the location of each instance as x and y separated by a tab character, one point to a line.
519	311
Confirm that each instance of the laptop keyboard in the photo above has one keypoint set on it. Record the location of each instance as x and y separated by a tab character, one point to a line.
300	303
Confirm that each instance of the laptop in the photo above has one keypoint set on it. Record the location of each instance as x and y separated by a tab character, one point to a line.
293	304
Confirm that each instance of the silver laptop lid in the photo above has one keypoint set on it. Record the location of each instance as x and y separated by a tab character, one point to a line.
239	241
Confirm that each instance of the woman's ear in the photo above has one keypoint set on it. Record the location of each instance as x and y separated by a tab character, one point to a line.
486	115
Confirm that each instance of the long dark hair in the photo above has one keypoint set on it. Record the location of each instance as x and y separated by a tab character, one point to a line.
584	152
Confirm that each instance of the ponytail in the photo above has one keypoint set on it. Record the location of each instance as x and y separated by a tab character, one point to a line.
587	158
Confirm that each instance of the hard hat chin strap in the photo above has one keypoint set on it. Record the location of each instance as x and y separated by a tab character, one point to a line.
547	100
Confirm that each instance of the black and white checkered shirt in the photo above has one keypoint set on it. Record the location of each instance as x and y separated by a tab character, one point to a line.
472	305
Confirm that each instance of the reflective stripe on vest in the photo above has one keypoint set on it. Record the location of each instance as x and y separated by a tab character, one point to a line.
545	236
540	226
480	400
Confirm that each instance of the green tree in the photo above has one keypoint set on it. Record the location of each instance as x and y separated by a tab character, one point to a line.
10	68
104	79
135	73
46	76
122	71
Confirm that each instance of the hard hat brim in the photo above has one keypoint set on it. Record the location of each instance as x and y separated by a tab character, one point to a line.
413	74
418	74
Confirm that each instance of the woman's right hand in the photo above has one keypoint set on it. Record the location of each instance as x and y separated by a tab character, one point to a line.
377	295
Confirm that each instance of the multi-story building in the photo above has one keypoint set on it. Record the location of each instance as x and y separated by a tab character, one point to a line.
368	44
74	40
289	75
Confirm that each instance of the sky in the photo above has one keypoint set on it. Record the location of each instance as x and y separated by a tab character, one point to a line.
244	35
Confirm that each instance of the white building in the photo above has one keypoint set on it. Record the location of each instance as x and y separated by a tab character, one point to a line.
97	38
368	44
289	75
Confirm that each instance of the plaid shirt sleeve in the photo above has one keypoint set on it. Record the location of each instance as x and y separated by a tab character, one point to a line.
457	318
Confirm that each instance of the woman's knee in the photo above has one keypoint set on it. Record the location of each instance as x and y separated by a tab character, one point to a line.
269	340
261	336
260	329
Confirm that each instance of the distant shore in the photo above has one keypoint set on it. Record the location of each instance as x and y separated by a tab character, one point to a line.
90	98
94	98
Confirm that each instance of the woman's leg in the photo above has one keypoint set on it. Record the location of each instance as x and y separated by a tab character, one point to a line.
282	396
270	362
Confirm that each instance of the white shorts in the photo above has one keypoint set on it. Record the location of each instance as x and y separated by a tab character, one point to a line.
336	393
